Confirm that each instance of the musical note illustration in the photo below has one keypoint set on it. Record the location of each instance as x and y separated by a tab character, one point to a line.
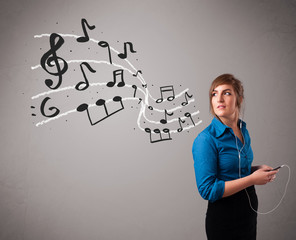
186	100
85	38
124	55
135	91
50	59
180	123
116	73
42	106
189	116
102	109
157	131
136	74
101	102
104	44
85	83
166	89
164	121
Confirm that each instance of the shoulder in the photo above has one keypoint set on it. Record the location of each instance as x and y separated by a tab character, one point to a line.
206	137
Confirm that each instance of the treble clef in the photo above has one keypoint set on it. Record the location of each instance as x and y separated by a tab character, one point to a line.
50	59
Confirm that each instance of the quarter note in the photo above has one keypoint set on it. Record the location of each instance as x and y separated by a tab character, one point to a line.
116	73
164	90
50	59
144	85
189	116
85	82
104	44
101	102
84	23
164	121
134	87
186	100
124	55
157	131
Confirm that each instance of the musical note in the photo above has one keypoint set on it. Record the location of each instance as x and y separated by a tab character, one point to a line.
124	55
189	116
115	74
85	38
186	95
180	122
157	131
50	59
150	107
140	100
42	106
134	87
86	83
136	74
104	44
144	85
166	89
164	121
99	103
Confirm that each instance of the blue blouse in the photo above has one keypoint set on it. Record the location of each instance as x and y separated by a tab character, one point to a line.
216	160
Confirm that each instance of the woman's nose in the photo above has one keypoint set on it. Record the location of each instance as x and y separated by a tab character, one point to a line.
220	98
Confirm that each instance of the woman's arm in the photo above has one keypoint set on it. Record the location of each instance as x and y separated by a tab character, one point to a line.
260	176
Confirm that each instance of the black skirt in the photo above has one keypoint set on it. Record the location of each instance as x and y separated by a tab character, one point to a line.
232	217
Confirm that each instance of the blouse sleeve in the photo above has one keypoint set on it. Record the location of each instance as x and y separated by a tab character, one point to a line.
205	155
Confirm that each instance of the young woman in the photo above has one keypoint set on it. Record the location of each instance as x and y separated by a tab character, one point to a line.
223	166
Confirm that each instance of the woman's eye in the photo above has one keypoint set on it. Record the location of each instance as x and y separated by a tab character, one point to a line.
214	94
227	93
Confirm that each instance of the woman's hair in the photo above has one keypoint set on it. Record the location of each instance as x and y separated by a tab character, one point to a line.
230	80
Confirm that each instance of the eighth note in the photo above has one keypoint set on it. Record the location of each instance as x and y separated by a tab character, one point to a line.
157	131
181	128
101	102
115	74
104	44
164	121
124	55
166	89
85	38
186	95
86	83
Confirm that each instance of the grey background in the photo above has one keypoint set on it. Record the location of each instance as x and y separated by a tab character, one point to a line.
68	180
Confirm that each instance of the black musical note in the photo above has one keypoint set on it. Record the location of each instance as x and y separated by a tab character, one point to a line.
166	89
180	122
189	116
186	95
85	38
164	121
42	106
99	103
104	44
136	74
150	107
124	55
157	131
144	85
85	83
140	100
134	87
115	74
50	59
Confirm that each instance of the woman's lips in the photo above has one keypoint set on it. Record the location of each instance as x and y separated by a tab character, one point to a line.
221	106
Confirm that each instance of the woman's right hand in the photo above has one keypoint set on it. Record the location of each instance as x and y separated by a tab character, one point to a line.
263	175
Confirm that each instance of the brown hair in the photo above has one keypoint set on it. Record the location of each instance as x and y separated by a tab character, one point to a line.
230	80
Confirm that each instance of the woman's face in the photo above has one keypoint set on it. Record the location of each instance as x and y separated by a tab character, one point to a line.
224	102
